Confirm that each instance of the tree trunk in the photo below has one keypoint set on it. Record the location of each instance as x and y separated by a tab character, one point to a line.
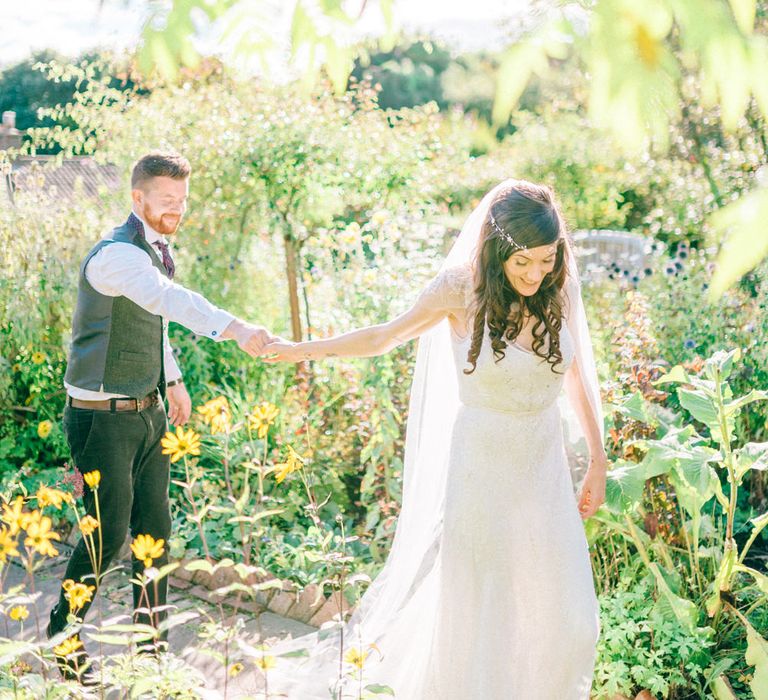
291	271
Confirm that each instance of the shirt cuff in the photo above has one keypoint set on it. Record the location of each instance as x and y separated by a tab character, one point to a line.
172	371
218	323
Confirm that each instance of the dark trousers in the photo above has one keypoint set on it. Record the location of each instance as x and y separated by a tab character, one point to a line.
125	447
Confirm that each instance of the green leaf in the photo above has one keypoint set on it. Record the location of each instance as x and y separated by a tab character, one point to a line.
722	581
517	65
676	375
624	486
378	689
757	656
122	639
671	605
753	455
720	364
704	409
737	404
722	689
176	619
744	12
635	407
760	579
744	223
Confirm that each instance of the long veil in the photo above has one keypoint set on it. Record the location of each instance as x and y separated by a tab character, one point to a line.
397	611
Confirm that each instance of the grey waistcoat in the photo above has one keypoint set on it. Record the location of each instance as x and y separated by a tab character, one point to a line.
116	345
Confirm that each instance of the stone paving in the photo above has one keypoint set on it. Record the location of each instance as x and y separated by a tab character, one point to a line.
115	599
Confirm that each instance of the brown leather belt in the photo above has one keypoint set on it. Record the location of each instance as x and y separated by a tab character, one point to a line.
113	405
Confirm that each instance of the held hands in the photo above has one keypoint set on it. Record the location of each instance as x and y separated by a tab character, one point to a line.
249	337
281	350
592	493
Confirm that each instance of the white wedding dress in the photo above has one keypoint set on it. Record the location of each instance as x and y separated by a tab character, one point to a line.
517	615
502	605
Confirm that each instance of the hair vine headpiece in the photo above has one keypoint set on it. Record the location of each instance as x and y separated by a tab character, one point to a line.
506	236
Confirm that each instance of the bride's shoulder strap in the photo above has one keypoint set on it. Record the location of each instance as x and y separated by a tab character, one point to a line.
451	288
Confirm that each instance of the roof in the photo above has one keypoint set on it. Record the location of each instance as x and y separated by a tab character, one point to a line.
72	178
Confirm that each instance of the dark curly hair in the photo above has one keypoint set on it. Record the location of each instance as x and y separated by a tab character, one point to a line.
530	214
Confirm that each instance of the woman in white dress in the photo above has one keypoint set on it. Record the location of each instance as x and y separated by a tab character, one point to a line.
487	593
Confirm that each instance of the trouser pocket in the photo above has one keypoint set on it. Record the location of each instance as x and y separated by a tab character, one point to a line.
78	429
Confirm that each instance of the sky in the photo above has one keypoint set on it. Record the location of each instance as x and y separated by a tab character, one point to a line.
73	26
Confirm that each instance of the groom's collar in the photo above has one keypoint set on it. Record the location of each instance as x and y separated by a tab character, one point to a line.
150	234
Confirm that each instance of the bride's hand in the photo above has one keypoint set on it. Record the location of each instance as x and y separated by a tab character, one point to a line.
282	350
592	493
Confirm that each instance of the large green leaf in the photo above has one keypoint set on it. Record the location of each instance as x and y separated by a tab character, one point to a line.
671	605
745	222
676	375
753	455
722	581
760	579
721	363
633	73
757	656
624	486
722	689
635	407
704	409
744	13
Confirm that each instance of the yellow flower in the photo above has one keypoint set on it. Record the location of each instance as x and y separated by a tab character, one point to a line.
293	462
16	367
19	612
88	525
14	516
266	662
356	657
181	443
68	646
78	594
216	413
51	497
235	669
38	358
379	217
647	46
8	544
44	428
262	417
39	535
92	478
147	548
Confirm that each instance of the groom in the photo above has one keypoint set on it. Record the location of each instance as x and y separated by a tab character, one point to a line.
121	369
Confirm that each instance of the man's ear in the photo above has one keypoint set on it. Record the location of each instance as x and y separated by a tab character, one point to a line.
137	196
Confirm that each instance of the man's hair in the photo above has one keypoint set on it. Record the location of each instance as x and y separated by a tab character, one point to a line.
159	164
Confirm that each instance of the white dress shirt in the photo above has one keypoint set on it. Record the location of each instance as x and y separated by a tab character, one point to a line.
123	269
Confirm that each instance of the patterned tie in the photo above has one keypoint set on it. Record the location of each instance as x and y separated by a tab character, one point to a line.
167	259
170	268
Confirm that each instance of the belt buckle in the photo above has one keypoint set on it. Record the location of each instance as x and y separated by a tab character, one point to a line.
138	405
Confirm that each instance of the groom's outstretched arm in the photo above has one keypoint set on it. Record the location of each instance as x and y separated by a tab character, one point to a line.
363	342
122	269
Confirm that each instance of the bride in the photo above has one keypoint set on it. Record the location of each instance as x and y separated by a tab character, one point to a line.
487	593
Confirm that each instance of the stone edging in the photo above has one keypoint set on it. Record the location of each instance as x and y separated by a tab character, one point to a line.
308	605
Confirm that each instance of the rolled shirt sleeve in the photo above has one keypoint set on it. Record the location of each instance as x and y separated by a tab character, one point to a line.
122	269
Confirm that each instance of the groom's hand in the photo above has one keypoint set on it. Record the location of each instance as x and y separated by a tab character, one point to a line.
249	337
179	404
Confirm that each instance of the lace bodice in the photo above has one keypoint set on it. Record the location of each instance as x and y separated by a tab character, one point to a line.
521	382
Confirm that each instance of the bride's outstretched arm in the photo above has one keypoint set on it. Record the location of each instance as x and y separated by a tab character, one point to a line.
363	342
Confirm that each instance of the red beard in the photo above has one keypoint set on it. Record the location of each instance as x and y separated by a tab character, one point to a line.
165	224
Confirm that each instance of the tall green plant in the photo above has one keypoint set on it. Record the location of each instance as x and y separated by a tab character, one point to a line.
694	464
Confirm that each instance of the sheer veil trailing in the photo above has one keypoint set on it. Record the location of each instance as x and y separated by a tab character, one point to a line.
396	613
